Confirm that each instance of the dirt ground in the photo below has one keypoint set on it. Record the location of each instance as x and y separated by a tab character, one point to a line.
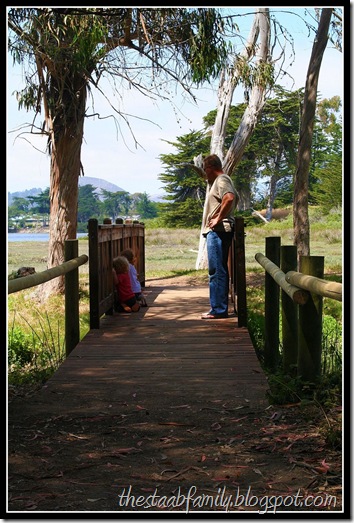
194	457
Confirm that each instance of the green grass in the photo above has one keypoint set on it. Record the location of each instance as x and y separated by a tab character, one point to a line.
168	253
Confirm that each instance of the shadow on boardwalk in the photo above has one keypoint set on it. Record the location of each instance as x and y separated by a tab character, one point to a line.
158	404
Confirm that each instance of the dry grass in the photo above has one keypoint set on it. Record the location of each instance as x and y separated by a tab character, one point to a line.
170	253
174	251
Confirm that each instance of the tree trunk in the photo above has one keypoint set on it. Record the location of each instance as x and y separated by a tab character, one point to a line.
256	100
301	180
244	202
227	85
273	184
64	187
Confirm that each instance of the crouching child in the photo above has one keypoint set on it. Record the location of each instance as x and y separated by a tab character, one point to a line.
125	298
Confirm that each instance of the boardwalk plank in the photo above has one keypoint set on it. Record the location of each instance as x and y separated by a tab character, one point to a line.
162	368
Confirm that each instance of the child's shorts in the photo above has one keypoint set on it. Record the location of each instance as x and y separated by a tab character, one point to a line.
131	301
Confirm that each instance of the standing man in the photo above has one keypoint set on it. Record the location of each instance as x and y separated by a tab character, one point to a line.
218	230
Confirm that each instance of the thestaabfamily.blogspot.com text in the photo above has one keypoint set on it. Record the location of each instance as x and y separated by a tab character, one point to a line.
193	500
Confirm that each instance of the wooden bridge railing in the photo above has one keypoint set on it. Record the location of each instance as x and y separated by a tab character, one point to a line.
237	267
70	268
106	241
301	308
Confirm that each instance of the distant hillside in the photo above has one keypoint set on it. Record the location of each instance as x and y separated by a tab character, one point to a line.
23	194
99	183
83	180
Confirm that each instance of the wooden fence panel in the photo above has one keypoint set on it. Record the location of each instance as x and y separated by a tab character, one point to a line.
106	241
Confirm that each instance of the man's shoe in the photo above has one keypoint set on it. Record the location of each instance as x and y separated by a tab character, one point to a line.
211	316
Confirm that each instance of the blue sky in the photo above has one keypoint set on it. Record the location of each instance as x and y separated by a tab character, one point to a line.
109	155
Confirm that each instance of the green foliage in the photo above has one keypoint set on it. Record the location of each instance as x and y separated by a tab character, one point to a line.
256	327
89	206
47	346
79	40
328	189
185	188
182	214
143	206
270	154
89	203
116	204
40	203
249	219
331	345
285	389
20	348
208	50
154	223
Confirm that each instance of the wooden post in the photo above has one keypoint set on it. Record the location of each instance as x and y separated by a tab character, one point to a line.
109	286
72	315
231	263
94	274
289	311
240	272
141	240
271	306
310	324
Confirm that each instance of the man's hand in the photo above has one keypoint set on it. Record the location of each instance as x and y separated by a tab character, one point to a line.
213	222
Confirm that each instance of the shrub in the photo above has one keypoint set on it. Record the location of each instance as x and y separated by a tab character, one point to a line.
20	348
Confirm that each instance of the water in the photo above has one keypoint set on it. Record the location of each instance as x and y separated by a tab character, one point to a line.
33	237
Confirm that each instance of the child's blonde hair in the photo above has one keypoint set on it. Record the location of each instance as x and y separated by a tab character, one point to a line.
120	264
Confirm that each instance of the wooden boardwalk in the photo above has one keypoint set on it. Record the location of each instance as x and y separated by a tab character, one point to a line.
164	361
165	349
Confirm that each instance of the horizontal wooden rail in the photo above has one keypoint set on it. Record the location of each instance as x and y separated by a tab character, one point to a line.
327	289
70	269
298	295
302	335
32	280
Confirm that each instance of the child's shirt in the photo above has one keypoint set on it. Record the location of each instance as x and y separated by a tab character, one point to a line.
124	287
136	285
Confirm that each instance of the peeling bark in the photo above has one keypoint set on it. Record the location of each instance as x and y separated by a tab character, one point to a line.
260	29
64	187
301	180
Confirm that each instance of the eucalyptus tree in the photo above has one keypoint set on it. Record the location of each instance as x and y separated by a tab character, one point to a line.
270	154
68	52
327	16
256	78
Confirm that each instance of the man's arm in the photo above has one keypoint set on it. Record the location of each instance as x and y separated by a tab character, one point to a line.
225	208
